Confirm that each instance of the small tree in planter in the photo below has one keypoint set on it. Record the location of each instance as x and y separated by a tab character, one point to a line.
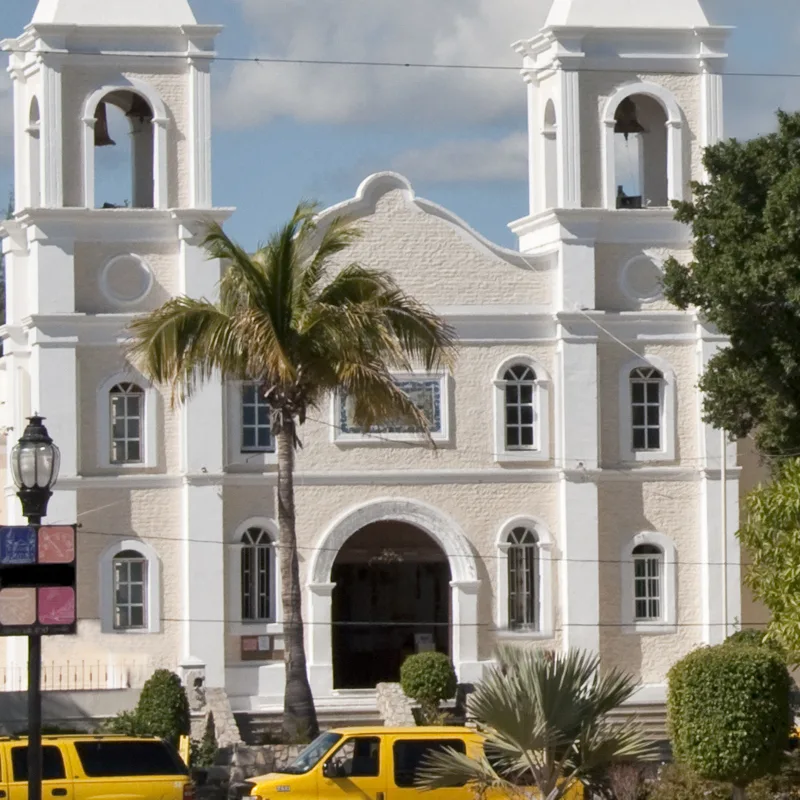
428	678
728	713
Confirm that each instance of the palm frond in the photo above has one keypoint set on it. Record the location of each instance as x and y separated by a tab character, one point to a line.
337	237
184	342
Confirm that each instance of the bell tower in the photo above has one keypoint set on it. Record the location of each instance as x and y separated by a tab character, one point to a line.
623	96
112	108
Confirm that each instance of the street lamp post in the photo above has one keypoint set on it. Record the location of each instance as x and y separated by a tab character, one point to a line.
34	463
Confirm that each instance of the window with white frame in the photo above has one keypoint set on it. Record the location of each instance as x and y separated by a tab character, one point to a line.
126	417
520	407
257	570
523	580
647	395
130	591
256	421
648	567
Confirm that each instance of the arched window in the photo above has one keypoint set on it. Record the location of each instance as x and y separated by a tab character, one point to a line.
34	156
257	576
647	403
130	591
520	407
550	142
648	570
126	415
523	580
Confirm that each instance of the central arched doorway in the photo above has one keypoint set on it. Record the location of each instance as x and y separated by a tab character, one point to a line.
391	599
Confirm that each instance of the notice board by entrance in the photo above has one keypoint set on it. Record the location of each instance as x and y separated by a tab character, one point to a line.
37	580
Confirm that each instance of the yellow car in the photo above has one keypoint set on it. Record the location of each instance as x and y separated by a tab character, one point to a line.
97	768
370	764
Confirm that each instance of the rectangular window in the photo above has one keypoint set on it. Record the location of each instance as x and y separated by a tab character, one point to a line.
256	590
256	421
130	590
128	759
646	413
126	419
52	764
357	758
647	587
409	754
523	592
425	393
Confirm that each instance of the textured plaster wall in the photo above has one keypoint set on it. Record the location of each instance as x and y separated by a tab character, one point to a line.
95	366
108	516
682	360
172	87
439	264
596	88
626	509
92	257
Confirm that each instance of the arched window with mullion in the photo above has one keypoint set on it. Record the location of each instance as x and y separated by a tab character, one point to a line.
647	404
126	406
130	590
648	569
523	580
520	408
257	568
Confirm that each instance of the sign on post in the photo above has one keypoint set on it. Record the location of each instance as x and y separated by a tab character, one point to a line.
37	580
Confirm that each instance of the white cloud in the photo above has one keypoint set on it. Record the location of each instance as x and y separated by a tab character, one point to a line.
439	32
483	160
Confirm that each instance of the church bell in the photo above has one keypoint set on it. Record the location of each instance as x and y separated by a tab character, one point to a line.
101	135
627	119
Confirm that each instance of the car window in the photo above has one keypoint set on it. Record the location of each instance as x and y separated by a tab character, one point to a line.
358	757
410	753
52	763
102	759
312	755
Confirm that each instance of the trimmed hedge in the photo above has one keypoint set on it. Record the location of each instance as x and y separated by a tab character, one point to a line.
755	638
428	678
728	712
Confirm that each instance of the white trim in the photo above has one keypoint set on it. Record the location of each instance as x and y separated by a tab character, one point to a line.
442	436
255	461
669	599
160	122
668	419
149	428
237	626
545	544
675	177
106	290
106	579
541	449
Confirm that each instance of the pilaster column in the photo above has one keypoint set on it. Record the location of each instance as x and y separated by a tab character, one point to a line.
318	638
465	630
579	456
712	106
200	139
52	138
204	536
569	141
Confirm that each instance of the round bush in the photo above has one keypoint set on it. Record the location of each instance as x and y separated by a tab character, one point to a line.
428	678
755	638
163	708
728	712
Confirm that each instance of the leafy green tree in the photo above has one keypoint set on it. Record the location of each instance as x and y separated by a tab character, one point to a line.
744	278
287	319
545	720
729	713
771	535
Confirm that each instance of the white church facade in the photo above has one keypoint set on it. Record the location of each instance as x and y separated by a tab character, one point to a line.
575	498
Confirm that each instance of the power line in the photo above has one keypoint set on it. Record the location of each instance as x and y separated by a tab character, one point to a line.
378	64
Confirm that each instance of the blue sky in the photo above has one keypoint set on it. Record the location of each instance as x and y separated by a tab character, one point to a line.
284	133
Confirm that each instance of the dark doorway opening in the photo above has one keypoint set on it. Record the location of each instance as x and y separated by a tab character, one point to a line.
392	599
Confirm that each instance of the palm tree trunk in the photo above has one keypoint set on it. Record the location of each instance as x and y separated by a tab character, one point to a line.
299	714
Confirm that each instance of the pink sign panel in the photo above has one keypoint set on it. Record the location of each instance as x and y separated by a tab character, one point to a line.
17	606
56	605
56	544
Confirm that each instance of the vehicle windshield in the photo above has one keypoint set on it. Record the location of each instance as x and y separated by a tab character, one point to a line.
312	755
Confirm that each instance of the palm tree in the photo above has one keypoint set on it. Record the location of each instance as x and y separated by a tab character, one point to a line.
544	716
287	318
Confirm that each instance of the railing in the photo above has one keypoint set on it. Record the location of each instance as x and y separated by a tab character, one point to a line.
78	676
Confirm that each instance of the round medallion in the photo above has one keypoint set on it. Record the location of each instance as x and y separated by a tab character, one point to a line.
126	280
641	279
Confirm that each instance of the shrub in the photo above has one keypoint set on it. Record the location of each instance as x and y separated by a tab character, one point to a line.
728	712
204	752
428	678
163	710
676	782
755	638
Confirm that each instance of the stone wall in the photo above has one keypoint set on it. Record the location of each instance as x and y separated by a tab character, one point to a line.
245	762
395	709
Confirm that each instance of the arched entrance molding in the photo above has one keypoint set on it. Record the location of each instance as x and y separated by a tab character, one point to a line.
464	584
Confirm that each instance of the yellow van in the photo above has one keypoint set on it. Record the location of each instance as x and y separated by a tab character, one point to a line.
370	764
96	768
